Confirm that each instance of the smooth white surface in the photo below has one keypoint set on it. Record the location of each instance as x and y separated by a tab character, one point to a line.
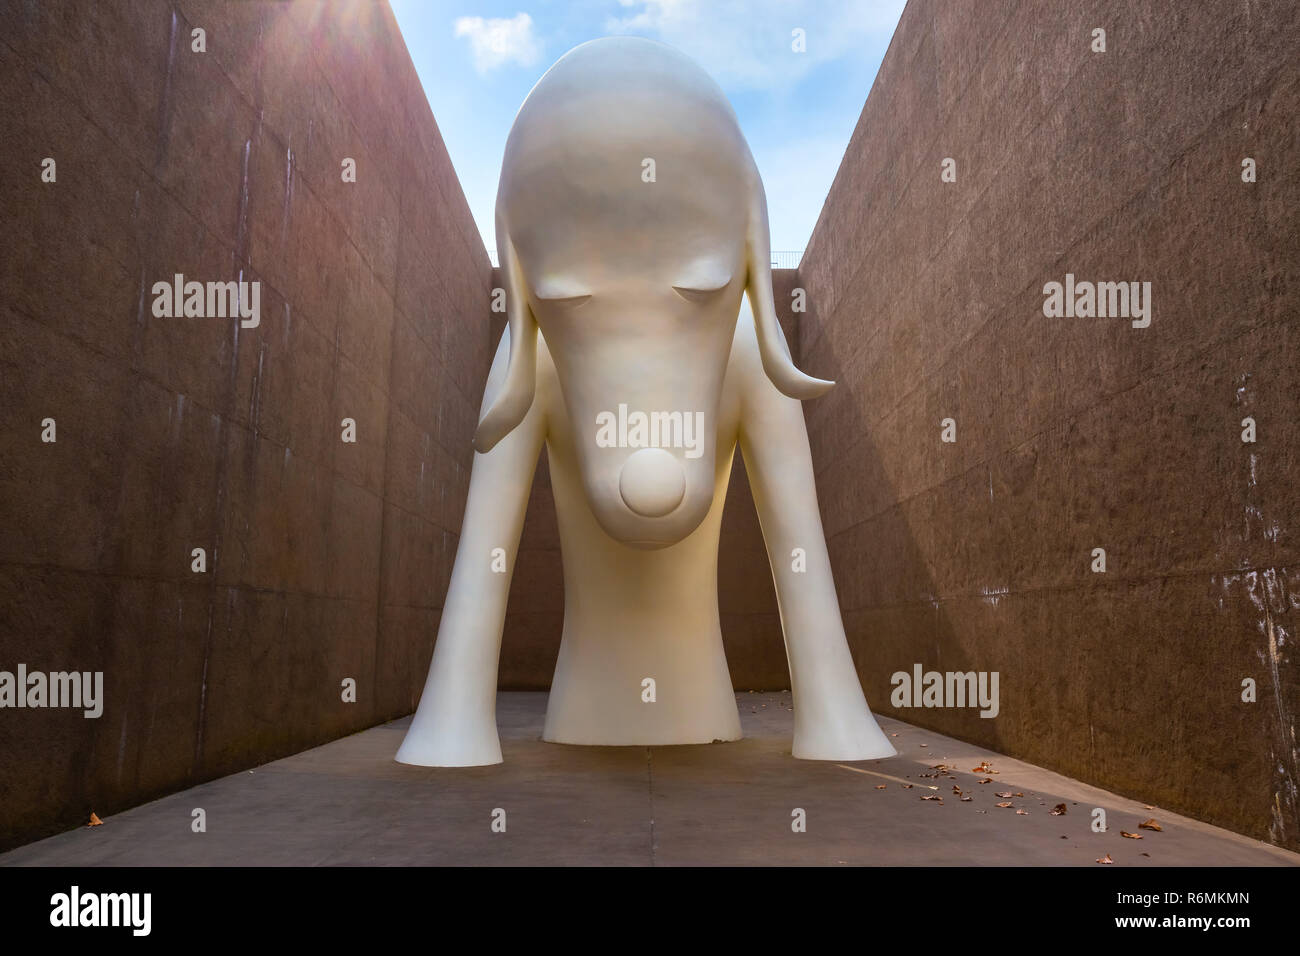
636	285
651	482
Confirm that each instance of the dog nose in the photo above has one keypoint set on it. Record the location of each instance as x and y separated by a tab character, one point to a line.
652	482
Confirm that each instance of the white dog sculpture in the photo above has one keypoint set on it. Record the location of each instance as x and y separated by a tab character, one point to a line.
631	220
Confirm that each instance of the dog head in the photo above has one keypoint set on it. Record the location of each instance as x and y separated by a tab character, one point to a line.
631	220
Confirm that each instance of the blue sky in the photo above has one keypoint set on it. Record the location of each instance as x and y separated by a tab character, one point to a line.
477	60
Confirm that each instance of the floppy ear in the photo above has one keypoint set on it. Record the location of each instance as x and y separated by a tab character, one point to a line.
772	347
516	395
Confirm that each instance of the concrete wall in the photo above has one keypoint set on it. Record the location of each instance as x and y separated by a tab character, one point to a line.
751	624
1081	433
325	560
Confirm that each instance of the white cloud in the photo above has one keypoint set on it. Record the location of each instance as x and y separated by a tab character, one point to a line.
498	41
748	43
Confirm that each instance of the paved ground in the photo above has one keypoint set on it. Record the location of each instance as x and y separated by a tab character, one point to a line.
349	803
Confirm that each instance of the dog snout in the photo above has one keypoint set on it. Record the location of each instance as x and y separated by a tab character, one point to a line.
652	482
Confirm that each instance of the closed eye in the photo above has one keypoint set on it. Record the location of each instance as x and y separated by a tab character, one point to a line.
695	294
565	302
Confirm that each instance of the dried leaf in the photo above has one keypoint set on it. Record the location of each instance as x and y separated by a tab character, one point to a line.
94	820
925	745
987	780
1106	859
1004	794
908	786
1131	836
1149	825
932	796
1019	794
880	786
956	789
1023	813
966	799
1059	810
1007	804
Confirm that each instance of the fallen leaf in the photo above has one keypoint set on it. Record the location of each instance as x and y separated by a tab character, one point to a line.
1149	825
956	789
982	768
1106	859
1059	810
893	735
1023	813
1146	806
966	799
1146	854
1020	795
1007	804
932	796
1131	836
94	820
1004	794
908	786
925	745
987	780
880	786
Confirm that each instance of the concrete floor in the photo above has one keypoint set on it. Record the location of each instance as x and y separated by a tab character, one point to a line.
349	803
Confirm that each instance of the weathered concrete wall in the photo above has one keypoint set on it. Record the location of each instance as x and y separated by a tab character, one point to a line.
1075	433
751	624
326	560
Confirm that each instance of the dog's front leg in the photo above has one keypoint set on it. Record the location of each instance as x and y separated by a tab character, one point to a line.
831	717
455	725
